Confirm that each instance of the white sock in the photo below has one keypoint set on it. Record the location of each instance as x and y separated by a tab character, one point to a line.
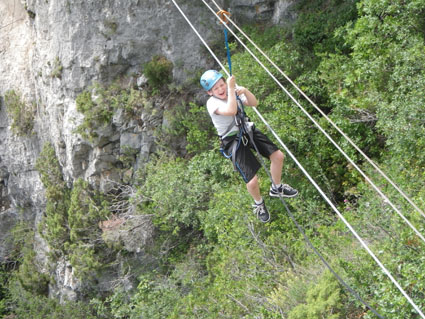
277	186
259	202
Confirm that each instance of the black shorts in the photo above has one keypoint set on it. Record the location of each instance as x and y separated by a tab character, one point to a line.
246	162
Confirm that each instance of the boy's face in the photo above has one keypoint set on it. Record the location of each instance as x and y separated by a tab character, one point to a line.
219	90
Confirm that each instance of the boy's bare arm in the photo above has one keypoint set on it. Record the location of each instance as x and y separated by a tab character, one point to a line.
231	107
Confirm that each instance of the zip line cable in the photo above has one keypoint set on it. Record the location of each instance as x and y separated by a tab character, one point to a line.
385	198
406	197
311	179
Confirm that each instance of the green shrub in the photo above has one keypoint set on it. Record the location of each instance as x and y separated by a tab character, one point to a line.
29	274
317	21
54	227
177	194
323	300
96	115
190	122
26	305
57	69
21	113
84	214
99	103
70	224
158	71
111	28
4	293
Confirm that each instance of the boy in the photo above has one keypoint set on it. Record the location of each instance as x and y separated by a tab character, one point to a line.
223	107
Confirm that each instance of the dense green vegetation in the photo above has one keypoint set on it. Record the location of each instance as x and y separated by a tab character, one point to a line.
71	216
158	71
21	113
362	63
98	111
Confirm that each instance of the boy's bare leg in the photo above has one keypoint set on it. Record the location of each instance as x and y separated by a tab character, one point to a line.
276	166
254	188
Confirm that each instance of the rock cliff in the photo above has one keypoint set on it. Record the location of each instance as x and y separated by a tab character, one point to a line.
51	51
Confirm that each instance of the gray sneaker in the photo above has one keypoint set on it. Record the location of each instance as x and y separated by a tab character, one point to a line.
261	211
284	190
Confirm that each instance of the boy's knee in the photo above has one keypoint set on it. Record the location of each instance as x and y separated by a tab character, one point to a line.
277	156
253	182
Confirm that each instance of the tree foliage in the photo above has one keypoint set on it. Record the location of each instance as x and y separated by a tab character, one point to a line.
159	71
99	102
85	211
22	113
54	228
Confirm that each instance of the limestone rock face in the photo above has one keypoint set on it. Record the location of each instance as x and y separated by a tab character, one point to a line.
50	51
262	10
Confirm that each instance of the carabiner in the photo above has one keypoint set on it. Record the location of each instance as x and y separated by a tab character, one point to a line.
223	14
245	140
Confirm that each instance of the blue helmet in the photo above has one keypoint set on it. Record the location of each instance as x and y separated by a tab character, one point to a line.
209	78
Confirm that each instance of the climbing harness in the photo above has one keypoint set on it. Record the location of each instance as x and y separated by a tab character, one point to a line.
325	197
239	138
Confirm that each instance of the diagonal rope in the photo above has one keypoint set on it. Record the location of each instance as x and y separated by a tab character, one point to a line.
311	179
377	189
229	60
406	197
